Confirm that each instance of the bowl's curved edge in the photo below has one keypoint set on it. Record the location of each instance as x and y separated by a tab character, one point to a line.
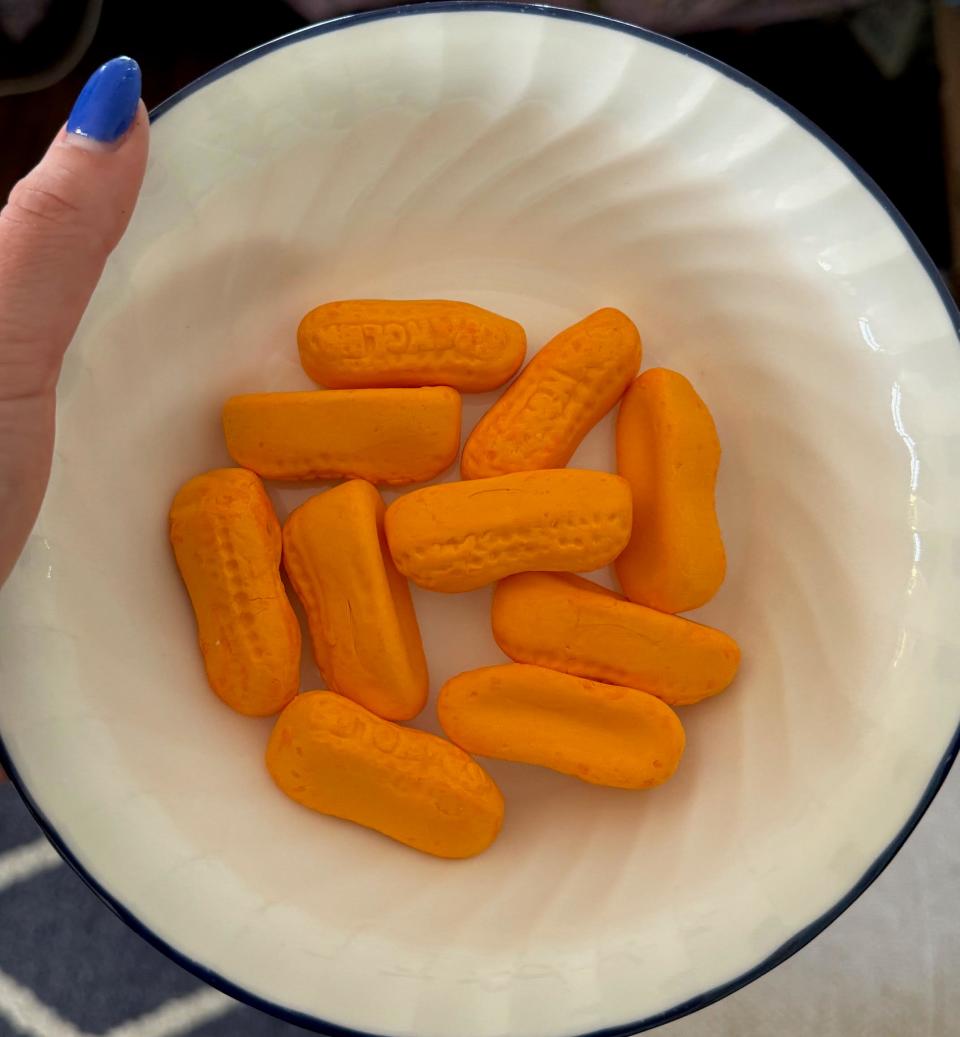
814	928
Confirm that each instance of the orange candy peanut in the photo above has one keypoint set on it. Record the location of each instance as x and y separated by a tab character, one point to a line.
603	734
668	450
558	397
463	535
333	756
365	635
568	623
389	436
226	539
364	343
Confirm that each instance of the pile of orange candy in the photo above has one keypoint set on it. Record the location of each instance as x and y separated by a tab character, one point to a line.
595	675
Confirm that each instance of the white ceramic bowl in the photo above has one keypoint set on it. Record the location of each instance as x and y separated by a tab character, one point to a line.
543	164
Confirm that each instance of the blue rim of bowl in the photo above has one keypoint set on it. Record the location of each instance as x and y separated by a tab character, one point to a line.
805	935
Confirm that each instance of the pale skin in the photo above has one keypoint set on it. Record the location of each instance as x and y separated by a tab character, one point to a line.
57	229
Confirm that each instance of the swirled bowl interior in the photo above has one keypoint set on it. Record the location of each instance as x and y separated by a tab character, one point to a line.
542	166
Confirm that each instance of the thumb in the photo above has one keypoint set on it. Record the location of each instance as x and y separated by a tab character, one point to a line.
61	222
56	232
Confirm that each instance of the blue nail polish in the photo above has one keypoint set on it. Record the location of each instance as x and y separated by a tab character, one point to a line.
108	102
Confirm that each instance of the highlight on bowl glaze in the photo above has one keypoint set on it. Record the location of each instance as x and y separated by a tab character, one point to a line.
540	164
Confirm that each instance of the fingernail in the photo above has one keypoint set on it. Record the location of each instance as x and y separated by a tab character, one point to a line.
107	103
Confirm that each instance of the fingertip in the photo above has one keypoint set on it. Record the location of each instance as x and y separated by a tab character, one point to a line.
107	104
139	128
56	231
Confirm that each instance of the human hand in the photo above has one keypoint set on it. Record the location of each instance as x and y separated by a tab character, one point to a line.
56	231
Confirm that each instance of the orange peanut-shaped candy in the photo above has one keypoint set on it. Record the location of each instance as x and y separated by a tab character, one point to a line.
365	635
384	435
668	450
463	535
226	539
335	757
378	342
568	623
560	395
598	732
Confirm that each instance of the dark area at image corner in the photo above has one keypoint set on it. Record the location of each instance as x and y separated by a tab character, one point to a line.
893	126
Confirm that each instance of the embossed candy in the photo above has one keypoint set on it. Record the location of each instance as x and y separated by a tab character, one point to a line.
226	539
364	343
463	535
557	398
333	756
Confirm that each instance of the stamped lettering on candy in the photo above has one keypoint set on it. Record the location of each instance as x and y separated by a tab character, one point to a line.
437	340
354	341
386	343
559	396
